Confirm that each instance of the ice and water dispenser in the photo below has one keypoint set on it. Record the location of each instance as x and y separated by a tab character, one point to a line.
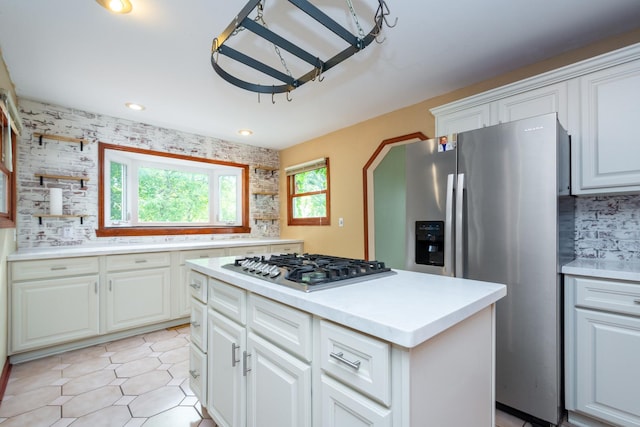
430	242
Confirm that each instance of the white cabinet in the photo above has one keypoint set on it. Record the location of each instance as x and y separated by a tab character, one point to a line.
597	102
602	333
181	299
255	374
53	302
610	148
53	311
286	248
463	119
138	290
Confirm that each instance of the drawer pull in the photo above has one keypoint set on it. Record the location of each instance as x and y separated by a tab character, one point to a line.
195	285
245	368
195	324
340	357
194	373
636	301
204	256
234	361
140	261
58	268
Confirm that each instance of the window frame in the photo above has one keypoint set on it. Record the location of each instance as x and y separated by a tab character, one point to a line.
104	230
8	218
291	172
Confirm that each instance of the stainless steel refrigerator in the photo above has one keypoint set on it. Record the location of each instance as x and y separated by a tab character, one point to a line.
494	205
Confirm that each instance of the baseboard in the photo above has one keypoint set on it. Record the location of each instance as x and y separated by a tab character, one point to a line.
4	378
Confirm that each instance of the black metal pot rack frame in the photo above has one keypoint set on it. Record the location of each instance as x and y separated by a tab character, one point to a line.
356	44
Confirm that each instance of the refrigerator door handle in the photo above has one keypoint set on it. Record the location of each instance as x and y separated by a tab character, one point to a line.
459	231
448	227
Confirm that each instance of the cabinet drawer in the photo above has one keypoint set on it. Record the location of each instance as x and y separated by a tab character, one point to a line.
248	250
138	261
358	360
609	295
200	253
49	268
228	300
198	373
197	285
282	325
287	248
199	325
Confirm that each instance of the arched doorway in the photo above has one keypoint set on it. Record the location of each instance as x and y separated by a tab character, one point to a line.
383	177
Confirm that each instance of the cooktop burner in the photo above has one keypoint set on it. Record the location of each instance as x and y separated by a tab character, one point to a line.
310	272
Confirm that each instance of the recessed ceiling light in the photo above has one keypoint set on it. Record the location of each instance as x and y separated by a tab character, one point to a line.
116	6
245	132
134	106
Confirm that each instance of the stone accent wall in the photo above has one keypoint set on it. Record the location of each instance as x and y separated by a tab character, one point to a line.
64	158
608	227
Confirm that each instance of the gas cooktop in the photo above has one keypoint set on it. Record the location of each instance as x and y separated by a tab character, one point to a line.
309	272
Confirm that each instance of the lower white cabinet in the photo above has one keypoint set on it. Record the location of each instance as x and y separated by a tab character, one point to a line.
344	407
278	386
602	351
46	312
140	294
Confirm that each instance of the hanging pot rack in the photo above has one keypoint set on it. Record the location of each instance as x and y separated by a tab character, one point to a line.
258	27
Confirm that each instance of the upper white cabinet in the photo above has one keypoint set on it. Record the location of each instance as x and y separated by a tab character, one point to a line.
597	102
610	149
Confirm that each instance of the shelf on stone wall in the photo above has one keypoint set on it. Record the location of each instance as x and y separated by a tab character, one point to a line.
272	219
82	179
264	168
264	193
40	216
42	136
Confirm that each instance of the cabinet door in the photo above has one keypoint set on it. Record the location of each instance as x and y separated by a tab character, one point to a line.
463	120
137	297
226	385
548	99
610	146
48	312
607	381
278	387
345	407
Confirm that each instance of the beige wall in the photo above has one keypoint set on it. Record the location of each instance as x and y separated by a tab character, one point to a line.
349	150
7	241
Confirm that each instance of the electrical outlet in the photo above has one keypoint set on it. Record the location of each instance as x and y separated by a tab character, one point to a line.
340	222
67	232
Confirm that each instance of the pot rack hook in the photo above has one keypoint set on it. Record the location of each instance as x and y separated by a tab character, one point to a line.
273	97
289	99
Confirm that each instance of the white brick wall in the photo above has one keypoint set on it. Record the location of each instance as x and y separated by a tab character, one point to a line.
63	158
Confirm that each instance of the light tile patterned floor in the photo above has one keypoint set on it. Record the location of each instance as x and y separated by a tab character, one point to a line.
135	382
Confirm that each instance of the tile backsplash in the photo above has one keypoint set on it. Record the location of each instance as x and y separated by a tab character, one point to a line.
608	227
63	158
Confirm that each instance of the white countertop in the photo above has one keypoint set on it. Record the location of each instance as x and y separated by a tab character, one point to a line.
406	309
619	270
120	248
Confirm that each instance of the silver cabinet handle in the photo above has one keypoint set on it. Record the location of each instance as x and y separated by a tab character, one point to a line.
58	268
340	357
95	287
140	261
234	361
245	367
194	373
110	285
195	324
195	285
636	301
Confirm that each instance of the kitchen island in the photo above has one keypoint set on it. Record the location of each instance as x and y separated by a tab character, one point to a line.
409	349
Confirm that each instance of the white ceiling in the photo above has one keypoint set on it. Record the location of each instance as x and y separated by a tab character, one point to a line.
74	53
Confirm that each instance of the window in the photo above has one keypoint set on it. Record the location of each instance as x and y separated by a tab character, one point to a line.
143	192
308	193
7	166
